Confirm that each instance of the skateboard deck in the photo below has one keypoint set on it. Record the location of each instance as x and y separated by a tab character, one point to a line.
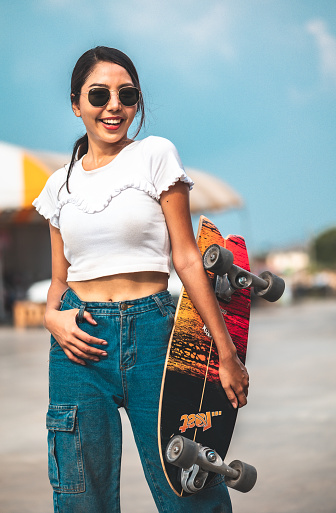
192	402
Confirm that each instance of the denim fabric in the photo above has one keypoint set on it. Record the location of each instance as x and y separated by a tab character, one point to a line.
83	421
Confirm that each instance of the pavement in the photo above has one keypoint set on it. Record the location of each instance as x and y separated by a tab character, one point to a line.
287	430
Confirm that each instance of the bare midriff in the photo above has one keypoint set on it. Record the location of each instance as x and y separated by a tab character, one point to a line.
120	287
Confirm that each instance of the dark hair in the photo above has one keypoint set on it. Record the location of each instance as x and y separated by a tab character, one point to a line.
80	73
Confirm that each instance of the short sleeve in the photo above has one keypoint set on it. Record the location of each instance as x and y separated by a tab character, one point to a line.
166	165
47	202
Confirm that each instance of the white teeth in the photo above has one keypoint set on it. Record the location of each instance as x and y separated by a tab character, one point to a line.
111	121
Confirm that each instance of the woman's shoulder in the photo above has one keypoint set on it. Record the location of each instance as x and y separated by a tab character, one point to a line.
158	149
156	143
58	177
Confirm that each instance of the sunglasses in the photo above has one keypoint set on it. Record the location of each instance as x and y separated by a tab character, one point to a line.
100	96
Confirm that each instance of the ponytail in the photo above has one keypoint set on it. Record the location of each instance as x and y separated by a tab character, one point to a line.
80	148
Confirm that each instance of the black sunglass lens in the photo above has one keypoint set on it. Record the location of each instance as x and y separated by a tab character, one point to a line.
99	97
129	96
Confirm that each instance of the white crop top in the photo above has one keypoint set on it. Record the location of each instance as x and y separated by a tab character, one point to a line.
112	221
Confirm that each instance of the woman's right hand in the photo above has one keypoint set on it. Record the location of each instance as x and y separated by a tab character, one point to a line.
75	343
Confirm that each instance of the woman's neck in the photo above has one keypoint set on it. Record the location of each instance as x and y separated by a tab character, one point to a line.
98	156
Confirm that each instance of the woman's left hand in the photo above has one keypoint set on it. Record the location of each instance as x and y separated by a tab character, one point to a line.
234	379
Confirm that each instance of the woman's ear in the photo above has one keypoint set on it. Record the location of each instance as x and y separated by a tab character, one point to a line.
75	106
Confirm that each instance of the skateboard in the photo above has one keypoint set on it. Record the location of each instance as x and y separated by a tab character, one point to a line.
196	420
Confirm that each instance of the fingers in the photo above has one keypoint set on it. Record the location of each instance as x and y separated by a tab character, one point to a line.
78	352
232	397
81	335
82	350
237	398
235	381
72	357
242	399
88	317
242	389
79	345
245	382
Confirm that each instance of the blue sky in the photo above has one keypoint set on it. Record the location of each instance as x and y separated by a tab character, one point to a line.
246	90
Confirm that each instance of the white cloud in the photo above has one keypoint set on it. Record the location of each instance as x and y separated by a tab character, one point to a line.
300	96
185	29
326	44
189	35
209	31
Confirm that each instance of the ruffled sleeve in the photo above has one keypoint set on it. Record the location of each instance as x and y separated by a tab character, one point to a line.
47	203
166	165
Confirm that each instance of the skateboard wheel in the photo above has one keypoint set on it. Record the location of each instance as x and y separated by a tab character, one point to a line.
218	260
182	452
247	477
275	288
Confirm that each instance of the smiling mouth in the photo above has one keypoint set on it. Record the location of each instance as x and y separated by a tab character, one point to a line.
112	123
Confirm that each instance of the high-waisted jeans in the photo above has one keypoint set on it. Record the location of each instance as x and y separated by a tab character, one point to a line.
83	421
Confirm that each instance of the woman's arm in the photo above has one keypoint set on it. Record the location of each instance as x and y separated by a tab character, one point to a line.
189	266
62	324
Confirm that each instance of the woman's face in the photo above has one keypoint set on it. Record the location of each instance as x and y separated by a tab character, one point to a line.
108	124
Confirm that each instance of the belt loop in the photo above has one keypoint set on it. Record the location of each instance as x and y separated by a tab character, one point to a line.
62	298
80	315
160	305
63	295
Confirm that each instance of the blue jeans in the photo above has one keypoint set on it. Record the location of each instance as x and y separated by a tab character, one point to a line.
83	421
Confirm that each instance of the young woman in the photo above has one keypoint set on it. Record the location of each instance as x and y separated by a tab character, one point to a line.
115	214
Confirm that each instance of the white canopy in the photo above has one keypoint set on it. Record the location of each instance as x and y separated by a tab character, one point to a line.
211	194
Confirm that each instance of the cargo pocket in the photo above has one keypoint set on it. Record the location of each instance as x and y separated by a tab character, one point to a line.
65	461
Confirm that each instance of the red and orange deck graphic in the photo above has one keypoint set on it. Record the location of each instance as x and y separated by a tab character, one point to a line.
190	351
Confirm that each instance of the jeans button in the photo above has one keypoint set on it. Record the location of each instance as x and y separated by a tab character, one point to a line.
123	306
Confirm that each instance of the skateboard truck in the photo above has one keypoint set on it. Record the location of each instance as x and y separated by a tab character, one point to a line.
230	277
196	461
